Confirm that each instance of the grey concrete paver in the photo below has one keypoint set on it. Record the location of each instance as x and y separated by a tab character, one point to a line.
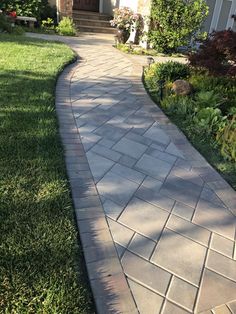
102	100
182	190
215	218
222	245
112	209
99	165
222	310
183	293
142	246
161	155
121	234
171	308
128	173
144	218
189	230
183	210
156	134
116	188
147	274
180	256
147	300
215	291
153	167
222	265
154	197
130	148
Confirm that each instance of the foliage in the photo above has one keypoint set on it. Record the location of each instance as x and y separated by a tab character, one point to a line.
207	120
226	136
66	27
169	71
5	25
207	117
208	99
34	8
173	22
217	54
136	50
41	269
221	85
48	25
124	18
179	105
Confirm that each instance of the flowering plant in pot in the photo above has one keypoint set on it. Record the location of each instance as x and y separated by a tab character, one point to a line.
123	20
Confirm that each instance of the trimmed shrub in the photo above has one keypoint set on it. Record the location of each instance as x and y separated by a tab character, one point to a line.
174	22
170	71
66	27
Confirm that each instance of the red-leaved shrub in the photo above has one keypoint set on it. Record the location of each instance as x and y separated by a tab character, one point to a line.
217	54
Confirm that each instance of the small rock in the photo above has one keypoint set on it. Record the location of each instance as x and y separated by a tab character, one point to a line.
182	87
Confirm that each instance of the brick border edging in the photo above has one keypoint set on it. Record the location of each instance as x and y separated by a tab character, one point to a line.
108	282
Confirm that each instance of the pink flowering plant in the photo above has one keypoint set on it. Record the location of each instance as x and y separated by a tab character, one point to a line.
124	18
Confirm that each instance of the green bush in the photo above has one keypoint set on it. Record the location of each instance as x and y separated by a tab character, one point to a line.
5	25
170	71
174	22
48	25
35	8
178	105
66	27
207	120
223	86
226	137
208	99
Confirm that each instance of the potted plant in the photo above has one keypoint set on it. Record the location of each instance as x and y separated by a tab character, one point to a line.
123	21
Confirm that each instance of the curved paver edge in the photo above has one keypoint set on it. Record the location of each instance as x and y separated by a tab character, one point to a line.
108	282
222	188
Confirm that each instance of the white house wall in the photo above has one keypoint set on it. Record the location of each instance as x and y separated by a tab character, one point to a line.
107	6
133	4
220	12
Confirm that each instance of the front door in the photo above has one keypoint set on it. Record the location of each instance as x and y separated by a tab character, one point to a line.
87	5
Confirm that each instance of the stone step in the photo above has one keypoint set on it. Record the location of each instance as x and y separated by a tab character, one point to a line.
90	15
96	29
92	23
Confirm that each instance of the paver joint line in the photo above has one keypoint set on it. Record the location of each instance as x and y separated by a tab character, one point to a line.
171	216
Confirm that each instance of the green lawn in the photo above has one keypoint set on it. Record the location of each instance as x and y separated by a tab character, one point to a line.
41	264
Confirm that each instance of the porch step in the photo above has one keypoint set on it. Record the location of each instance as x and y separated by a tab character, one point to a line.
91	15
88	22
96	29
93	22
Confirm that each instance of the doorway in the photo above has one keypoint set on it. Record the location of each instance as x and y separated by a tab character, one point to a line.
86	5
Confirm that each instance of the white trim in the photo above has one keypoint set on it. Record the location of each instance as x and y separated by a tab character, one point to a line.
230	22
216	15
100	6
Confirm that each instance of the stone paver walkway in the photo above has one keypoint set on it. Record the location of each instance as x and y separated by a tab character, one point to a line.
169	213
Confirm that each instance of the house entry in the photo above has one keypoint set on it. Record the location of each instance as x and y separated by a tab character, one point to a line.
86	5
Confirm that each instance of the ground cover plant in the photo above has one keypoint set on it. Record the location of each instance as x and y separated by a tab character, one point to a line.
131	48
41	269
207	116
